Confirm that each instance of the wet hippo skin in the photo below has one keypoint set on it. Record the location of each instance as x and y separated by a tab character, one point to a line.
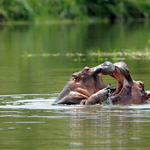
86	86
128	91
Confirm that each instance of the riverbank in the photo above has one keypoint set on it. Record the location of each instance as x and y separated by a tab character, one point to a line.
55	21
75	10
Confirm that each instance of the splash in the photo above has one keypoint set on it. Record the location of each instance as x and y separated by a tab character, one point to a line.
108	101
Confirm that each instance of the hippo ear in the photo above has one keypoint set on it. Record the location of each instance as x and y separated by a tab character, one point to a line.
146	96
76	75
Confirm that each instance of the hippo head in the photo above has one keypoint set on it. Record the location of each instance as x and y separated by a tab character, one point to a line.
84	83
128	91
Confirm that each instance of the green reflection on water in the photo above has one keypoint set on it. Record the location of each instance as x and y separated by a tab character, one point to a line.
95	127
24	69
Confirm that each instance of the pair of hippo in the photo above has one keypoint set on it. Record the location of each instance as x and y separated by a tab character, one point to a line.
87	87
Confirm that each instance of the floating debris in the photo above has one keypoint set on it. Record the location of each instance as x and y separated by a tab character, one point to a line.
70	54
56	55
80	54
123	55
120	55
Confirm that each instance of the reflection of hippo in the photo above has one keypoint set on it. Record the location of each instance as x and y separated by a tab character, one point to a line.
86	86
128	91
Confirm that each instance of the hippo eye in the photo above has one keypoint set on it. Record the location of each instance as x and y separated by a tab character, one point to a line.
141	84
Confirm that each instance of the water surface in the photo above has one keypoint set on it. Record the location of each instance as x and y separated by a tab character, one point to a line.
31	122
36	61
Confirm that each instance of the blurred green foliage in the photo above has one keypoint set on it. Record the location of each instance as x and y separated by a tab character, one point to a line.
74	9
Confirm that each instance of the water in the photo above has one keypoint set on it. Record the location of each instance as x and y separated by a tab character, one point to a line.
108	101
36	61
31	122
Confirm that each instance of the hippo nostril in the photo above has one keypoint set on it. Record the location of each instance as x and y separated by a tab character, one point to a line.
109	91
141	83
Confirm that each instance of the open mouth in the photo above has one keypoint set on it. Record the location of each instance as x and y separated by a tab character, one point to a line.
117	92
121	74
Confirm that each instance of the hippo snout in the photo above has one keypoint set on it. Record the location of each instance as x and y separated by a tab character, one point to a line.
111	89
105	68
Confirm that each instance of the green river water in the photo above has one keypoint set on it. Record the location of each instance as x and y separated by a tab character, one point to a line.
37	60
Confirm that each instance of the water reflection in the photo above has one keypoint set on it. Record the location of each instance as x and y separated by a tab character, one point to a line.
40	58
119	128
72	37
72	127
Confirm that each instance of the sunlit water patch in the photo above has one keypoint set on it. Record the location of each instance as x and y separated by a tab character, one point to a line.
32	101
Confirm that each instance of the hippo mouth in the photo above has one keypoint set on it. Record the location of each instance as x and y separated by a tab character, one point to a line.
119	90
122	75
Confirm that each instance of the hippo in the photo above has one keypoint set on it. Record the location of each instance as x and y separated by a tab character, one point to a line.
86	86
127	91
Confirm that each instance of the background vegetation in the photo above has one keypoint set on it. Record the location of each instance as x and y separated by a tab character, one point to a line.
16	10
